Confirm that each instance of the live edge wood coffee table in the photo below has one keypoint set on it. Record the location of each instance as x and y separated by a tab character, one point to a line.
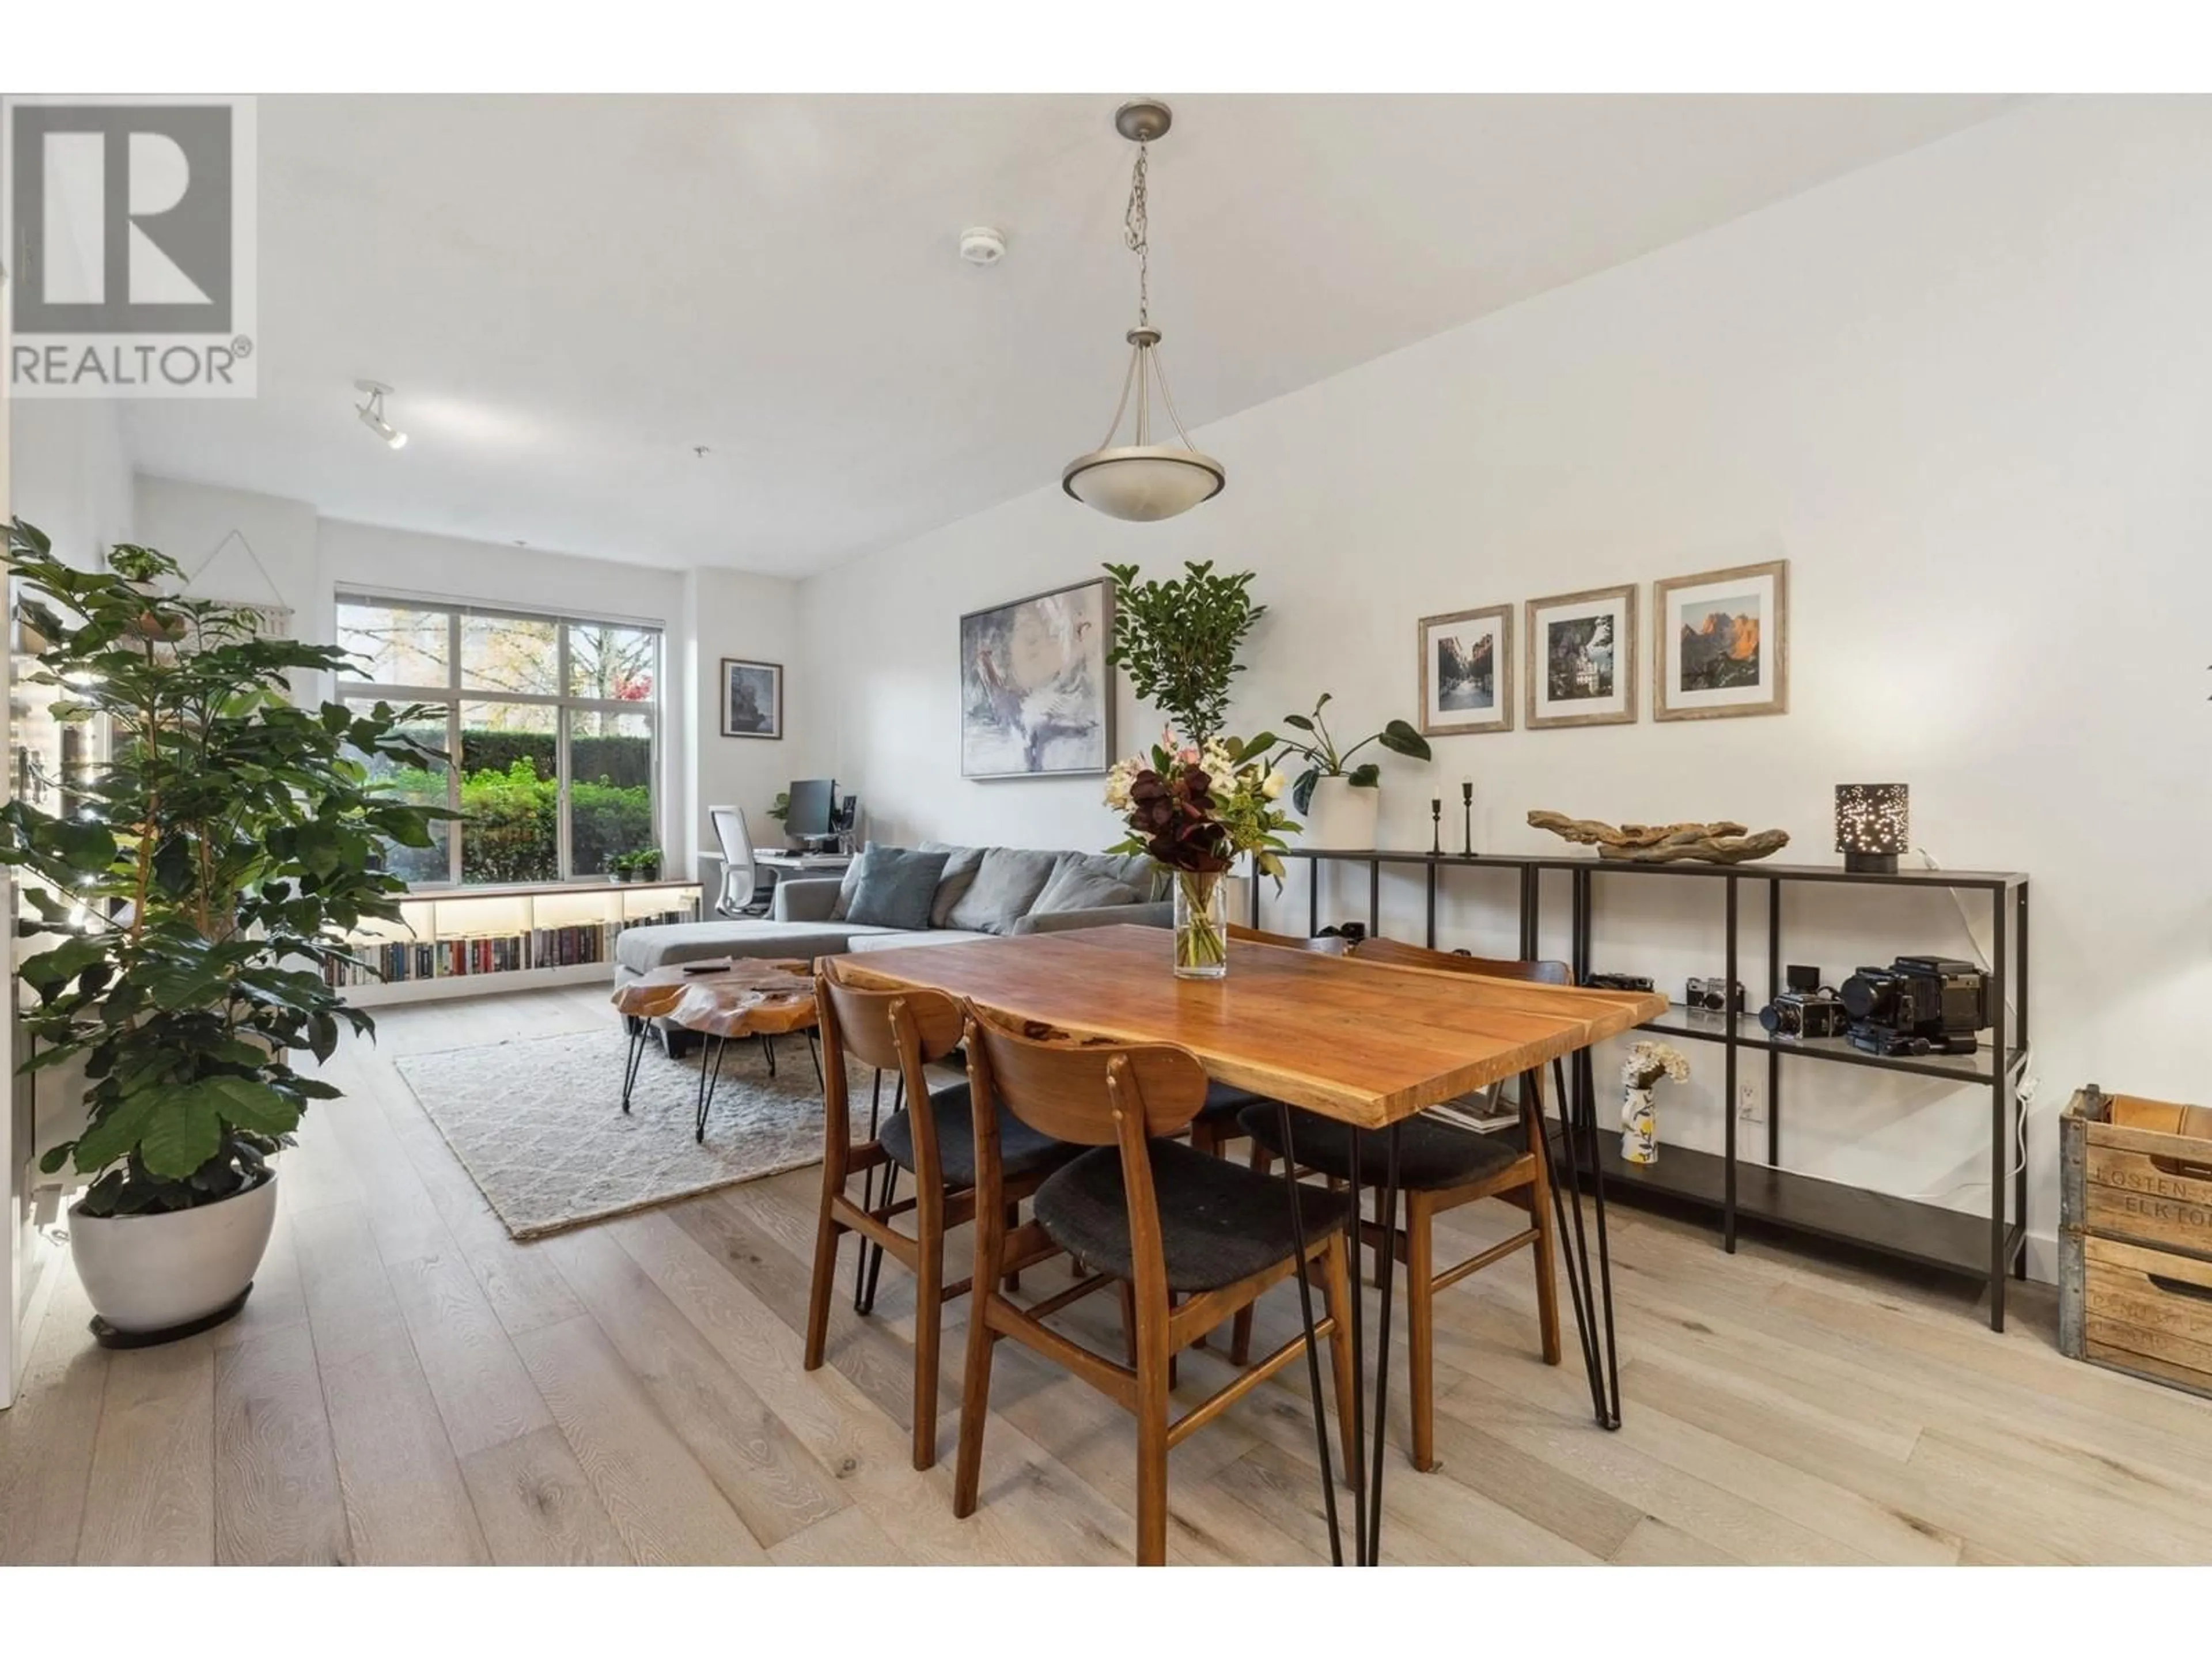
720	1000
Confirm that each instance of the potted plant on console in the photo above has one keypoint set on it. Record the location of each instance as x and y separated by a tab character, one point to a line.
189	908
1342	802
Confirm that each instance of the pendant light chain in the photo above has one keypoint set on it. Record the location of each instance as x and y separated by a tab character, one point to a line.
1141	481
1134	233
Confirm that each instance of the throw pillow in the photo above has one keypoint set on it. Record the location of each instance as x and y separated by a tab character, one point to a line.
961	864
1007	884
895	888
842	909
1087	881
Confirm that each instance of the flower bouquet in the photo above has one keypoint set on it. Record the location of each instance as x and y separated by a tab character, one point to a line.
1194	808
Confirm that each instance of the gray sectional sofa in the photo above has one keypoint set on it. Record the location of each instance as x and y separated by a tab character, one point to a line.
984	893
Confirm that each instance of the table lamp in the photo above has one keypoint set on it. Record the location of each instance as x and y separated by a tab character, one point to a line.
1871	826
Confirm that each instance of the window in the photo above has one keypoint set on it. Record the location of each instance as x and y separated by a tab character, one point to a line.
552	725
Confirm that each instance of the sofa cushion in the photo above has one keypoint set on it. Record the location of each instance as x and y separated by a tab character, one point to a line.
641	949
1007	884
849	885
891	940
1085	881
896	887
960	867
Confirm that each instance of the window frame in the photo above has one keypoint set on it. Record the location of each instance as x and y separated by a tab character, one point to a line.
456	693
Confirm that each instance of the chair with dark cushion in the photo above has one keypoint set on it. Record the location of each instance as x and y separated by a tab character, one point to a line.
932	1136
1162	1220
1441	1167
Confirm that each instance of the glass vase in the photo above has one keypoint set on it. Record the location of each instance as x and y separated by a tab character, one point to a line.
1202	924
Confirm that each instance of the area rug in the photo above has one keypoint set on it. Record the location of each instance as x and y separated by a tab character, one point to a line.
538	1123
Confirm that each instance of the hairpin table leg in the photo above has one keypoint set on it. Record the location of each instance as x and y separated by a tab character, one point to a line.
1313	1351
708	1077
634	1061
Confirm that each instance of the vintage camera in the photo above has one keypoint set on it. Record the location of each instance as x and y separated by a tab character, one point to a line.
1714	995
1615	982
1918	1005
1801	1014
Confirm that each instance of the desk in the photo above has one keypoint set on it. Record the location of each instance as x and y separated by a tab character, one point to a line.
1367	1043
805	864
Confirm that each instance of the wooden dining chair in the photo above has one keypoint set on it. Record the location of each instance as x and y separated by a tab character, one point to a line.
1138	1206
930	1136
1441	1167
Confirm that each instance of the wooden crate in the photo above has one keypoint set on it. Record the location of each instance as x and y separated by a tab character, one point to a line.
2135	1280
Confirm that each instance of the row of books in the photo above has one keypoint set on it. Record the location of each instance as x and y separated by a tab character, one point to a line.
394	962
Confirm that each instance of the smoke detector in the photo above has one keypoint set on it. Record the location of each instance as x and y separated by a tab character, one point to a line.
982	244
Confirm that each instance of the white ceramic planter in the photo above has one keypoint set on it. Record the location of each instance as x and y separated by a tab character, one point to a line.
148	1272
1342	818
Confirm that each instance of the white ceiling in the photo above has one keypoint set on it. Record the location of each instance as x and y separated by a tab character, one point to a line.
569	293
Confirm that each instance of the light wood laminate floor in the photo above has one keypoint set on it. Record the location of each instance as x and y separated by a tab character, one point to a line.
409	1385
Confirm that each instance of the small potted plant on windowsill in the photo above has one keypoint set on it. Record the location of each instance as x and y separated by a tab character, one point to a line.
645	864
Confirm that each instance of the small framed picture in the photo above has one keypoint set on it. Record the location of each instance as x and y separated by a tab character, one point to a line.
1467	672
1581	659
752	699
1721	643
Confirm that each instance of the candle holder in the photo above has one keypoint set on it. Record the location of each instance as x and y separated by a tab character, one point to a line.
1872	826
1467	815
1436	824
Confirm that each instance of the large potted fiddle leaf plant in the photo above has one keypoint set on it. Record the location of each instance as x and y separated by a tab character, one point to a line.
183	914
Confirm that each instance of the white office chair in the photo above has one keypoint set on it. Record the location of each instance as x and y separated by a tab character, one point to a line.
739	873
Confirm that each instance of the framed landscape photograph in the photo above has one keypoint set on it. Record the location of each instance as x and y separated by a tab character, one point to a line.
752	699
1467	672
1581	659
1721	643
1036	698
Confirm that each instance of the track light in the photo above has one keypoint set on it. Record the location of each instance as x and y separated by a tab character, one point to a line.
372	413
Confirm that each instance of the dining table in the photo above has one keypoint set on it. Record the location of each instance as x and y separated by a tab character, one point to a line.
1367	1043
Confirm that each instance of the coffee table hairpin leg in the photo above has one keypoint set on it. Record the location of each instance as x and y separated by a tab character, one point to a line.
708	1077
635	1058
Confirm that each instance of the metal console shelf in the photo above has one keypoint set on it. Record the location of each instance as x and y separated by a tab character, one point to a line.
1985	1247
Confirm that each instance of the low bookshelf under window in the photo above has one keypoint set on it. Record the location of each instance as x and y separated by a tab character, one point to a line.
472	941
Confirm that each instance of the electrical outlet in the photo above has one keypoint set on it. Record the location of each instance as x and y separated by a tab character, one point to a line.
1749	1108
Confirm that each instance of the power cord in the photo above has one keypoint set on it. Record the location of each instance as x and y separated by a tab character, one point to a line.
2029	1082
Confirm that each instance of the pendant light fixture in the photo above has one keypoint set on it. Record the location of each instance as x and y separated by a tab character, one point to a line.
1141	480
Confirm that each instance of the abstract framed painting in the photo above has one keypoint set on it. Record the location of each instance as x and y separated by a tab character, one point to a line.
1036	697
1467	672
1721	643
752	699
1581	659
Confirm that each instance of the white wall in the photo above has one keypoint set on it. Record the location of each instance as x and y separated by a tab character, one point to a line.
71	474
1964	392
728	613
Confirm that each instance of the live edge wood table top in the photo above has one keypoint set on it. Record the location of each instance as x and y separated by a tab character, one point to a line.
1364	1043
736	999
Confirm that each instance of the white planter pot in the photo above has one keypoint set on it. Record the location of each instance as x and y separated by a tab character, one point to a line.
1342	818
148	1272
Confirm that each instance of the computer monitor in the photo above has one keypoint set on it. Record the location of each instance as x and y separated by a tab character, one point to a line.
812	802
